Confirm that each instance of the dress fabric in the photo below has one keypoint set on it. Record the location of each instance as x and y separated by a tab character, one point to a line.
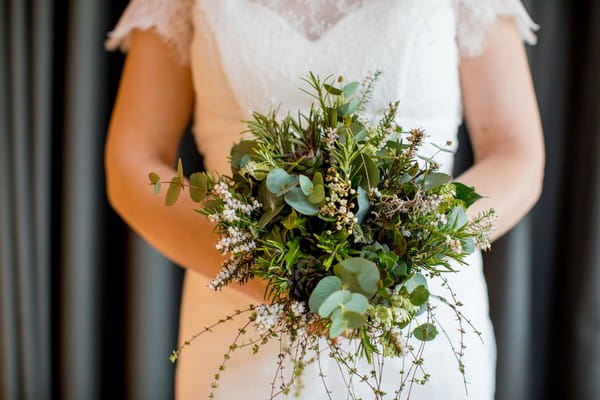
248	55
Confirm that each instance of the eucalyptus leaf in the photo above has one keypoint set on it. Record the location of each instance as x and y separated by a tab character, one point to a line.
271	204
425	332
353	319
414	282
350	88
419	296
321	292
349	107
238	151
435	180
357	303
296	199
359	275
364	206
457	218
335	300
173	191
198	186
279	181
305	184
337	327
180	172
468	245
400	269
154	178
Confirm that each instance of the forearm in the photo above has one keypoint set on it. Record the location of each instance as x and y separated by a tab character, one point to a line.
182	235
511	183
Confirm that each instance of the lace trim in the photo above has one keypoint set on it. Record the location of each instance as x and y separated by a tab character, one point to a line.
311	17
475	17
171	19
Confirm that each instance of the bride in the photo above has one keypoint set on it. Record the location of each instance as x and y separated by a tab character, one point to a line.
218	60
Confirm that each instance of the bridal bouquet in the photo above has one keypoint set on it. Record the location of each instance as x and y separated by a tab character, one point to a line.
346	224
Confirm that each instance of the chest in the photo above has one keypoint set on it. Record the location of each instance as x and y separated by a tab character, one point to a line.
260	49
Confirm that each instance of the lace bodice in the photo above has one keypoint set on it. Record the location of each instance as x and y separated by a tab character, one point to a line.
249	55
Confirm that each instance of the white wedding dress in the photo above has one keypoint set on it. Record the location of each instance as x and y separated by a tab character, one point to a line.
250	55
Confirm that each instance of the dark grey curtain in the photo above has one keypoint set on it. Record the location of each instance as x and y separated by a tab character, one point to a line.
89	311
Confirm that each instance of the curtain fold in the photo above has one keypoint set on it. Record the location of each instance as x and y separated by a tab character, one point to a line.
89	311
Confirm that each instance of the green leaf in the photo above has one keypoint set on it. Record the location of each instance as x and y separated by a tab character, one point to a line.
296	199
180	172
367	171
198	186
388	259
414	282
321	292
292	221
435	180
271	204
154	178
359	275
425	332
317	195
269	215
357	303
419	296
156	187
238	151
337	327
353	320
400	269
350	88
332	90
468	245
305	184
349	107
399	244
317	179
363	204
173	191
335	300
466	193
457	218
279	181
294	253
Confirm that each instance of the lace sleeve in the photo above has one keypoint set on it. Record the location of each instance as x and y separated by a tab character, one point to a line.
171	18
475	16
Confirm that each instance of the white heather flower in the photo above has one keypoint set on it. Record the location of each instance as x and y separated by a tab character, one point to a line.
455	244
298	309
268	316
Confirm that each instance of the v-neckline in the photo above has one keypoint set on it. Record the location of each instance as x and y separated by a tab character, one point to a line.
324	37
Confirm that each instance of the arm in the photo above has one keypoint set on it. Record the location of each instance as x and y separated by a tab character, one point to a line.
502	115
153	107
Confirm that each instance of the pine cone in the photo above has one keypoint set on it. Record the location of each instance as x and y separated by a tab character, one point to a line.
307	274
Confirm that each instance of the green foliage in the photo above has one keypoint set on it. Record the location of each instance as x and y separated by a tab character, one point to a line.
324	289
425	332
359	275
340	211
466	193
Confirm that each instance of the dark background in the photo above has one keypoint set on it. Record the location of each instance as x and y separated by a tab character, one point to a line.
89	311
